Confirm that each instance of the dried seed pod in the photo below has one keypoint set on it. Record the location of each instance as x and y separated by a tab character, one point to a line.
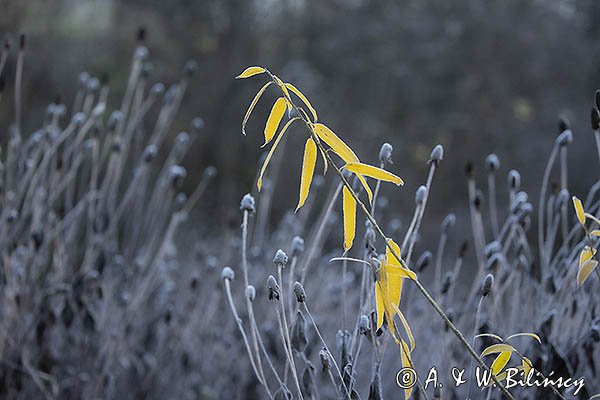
447	283
228	274
448	223
176	176
437	154
298	333
385	154
595	119
281	259
514	179
325	361
488	283
364	325
250	292
420	195
297	246
308	380
492	162
272	288
248	203
299	292
149	153
423	261
565	138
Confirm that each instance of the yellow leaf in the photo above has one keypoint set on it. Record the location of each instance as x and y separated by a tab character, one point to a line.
365	185
394	270
333	141
285	91
500	362
390	255
527	365
489	335
304	100
586	254
270	154
533	335
373	172
380	306
274	119
595	232
407	363
497	348
250	71
308	169
253	104
579	210
349	209
585	270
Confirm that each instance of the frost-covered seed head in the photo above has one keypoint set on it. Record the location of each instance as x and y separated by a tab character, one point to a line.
364	325
492	162
297	246
299	292
198	123
514	179
228	274
488	284
385	154
248	204
448	223
149	153
424	260
420	195
565	138
272	288
190	67
176	175
325	361
281	259
210	171
437	154
250	292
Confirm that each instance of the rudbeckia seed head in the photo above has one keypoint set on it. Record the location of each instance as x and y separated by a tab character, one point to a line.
595	118
565	138
299	292
149	153
141	53
297	246
561	198
514	179
420	195
492	248
488	283
228	274
437	154
424	260
364	325
385	154
210	171
190	67
198	123
157	89
447	283
478	200
113	120
492	162
176	175
250	292
272	288
281	259
325	361
83	78
247	203
448	223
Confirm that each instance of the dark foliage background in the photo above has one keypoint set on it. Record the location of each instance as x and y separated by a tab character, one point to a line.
474	76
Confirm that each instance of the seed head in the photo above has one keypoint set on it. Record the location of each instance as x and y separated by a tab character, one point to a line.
561	198
437	155
228	274
325	361
565	138
420	195
364	325
488	283
281	259
514	179
250	292
492	248
210	171
563	124
176	176
448	223
198	123
299	292
424	260
272	288
247	203
447	283
297	246
492	162
149	153
595	119
190	68
385	154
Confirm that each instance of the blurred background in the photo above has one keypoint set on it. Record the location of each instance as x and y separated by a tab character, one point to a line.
476	77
